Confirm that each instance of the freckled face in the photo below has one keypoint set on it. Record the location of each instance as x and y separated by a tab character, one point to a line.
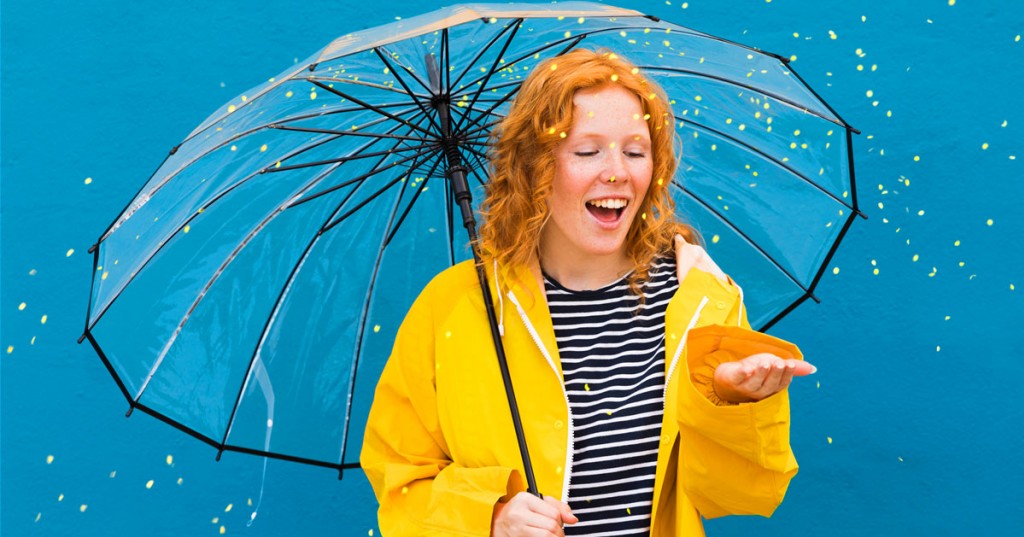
602	172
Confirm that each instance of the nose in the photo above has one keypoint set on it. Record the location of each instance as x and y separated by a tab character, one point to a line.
615	170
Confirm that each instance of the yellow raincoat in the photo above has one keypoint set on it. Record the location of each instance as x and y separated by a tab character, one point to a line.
440	449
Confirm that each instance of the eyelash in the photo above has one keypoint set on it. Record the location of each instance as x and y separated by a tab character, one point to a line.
631	154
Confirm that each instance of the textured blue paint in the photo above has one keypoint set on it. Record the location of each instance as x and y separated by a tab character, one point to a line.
924	413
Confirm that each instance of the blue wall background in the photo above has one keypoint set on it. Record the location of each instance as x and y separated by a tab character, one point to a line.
913	424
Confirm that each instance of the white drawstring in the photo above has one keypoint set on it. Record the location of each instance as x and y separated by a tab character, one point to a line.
739	318
501	302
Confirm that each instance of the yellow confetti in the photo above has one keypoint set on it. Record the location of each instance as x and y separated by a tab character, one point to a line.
875	272
223	530
38	516
187	228
917	158
82	508
829	439
938	348
376	328
405	490
312	97
586	387
149	484
231	108
170	460
832	34
10	349
989	221
180	480
715	239
899	459
21	306
370	533
263	148
984	146
952	2
920	213
228	508
60	498
870	93
234	148
916	257
113	474
835	270
49	459
1012	287
88	180
956	243
215	520
947	317
933	272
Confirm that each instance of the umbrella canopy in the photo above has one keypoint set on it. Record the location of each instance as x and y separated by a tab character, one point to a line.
250	291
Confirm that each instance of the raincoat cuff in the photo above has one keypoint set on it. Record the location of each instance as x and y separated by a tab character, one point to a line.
713	345
702	375
467	506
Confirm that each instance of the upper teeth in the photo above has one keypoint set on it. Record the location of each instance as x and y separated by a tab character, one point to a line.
609	203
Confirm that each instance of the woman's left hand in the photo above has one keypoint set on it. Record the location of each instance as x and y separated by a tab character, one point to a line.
757	377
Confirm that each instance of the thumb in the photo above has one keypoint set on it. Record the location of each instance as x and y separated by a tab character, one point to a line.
564	511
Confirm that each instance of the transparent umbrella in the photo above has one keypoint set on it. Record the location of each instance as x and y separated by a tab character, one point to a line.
250	291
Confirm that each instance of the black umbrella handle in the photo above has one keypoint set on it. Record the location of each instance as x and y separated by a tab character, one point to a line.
457	175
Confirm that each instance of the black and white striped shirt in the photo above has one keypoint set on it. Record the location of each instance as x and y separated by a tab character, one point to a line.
612	350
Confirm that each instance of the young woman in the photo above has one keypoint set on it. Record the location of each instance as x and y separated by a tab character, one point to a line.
647	401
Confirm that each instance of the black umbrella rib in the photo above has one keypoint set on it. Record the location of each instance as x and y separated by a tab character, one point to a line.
494	65
401	81
446	58
366	201
487	46
508	96
749	87
449	204
168	238
745	237
412	202
156	189
354	157
369	106
411	73
358	179
364	315
284	289
210	203
206	288
475	171
767	157
346	133
822	101
363	83
573	41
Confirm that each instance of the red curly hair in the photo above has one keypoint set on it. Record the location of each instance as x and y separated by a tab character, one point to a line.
522	159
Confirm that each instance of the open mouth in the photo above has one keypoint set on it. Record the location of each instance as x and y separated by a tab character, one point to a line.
607	210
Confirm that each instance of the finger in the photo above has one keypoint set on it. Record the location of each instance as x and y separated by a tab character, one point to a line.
564	511
776	371
787	376
803	368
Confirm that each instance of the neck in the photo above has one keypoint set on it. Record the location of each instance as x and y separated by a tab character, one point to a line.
584	273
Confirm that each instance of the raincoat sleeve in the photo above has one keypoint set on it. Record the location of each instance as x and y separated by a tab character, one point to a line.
734	458
405	455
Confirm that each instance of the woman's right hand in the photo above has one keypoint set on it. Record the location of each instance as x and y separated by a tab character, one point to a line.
526	514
